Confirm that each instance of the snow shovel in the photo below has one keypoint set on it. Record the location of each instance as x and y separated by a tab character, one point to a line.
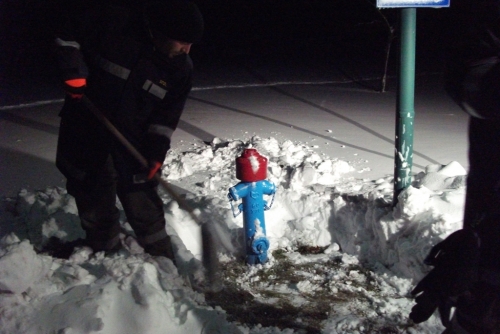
209	243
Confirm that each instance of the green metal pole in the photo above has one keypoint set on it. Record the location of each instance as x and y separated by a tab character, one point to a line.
405	113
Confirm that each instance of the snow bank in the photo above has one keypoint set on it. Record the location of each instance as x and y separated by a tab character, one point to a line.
122	293
400	238
318	203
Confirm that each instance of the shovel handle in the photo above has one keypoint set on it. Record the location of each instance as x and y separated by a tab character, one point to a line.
104	120
209	243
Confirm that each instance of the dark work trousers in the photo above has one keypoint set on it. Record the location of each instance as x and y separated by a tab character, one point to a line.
96	202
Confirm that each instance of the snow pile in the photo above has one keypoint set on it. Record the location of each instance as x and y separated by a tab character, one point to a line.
400	239
116	294
319	203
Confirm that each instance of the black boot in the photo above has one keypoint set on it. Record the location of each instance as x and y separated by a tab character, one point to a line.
55	247
162	247
102	238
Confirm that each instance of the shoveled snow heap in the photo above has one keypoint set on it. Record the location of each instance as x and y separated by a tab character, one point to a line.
320	202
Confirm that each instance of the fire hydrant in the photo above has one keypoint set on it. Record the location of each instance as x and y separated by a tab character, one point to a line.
251	170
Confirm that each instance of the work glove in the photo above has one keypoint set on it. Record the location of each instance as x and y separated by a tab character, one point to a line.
147	174
75	88
455	262
154	167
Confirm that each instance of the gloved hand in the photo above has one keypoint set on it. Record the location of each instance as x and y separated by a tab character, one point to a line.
455	262
153	169
147	173
75	87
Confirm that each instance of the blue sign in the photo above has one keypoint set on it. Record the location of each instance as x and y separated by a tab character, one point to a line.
412	3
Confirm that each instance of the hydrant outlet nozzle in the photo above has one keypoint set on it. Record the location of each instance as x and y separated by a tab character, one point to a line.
260	245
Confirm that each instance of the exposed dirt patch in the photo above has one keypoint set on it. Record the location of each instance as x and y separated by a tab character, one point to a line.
298	296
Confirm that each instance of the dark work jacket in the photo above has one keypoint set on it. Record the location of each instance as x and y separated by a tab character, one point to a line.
473	58
140	91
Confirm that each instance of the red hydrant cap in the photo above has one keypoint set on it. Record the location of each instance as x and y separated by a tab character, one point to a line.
251	166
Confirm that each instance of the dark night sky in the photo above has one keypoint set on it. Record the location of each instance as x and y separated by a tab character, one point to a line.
246	31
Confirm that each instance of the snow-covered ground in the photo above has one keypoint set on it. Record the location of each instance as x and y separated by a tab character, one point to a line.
330	155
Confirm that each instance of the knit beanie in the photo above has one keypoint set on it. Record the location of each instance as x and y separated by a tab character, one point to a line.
180	20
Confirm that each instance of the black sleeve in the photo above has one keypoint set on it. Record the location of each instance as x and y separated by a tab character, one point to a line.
77	29
163	122
70	26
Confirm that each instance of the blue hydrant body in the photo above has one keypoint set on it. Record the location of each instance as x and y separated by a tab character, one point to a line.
252	171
